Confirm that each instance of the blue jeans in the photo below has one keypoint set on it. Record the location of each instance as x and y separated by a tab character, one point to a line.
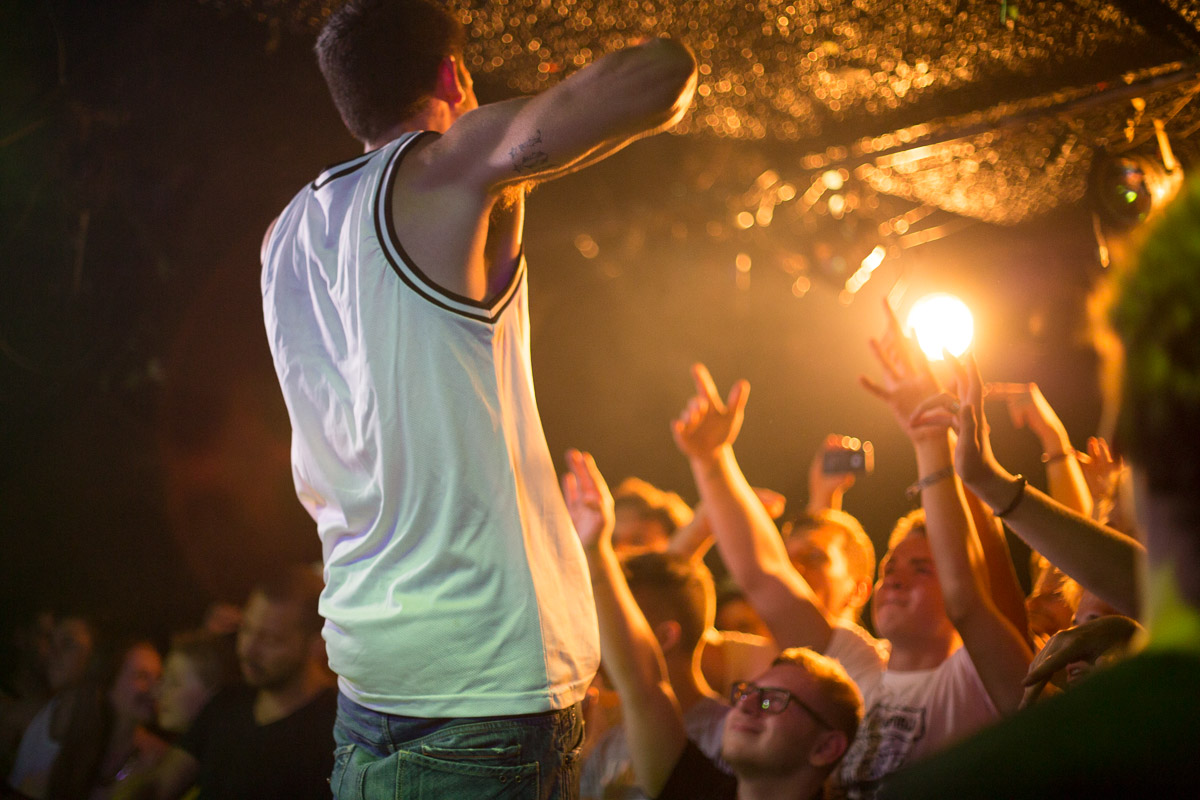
531	757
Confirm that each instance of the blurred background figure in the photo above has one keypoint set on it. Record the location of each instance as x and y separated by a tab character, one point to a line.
198	665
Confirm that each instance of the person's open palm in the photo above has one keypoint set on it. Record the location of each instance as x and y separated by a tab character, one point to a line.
589	501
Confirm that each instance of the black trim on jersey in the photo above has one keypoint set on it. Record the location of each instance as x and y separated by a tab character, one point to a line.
362	162
431	291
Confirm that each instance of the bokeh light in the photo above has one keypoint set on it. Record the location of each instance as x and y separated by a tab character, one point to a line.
941	321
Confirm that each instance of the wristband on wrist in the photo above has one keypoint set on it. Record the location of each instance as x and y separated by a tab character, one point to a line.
914	491
1016	501
1047	458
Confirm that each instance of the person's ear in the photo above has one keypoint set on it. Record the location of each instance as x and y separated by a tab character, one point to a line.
861	594
448	88
829	747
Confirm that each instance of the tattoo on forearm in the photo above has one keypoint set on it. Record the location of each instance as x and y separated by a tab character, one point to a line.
529	156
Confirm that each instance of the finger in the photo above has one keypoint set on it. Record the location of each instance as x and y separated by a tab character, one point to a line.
934	420
570	488
875	389
738	395
679	432
705	386
943	401
959	371
1032	693
969	427
579	474
1103	452
595	479
974	384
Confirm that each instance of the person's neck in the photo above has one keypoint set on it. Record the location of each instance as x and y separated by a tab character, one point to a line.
434	116
802	785
921	654
272	705
688	681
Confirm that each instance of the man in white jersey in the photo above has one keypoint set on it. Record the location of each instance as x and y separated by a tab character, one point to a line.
458	614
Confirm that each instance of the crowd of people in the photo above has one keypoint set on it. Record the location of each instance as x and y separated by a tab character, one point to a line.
240	706
473	615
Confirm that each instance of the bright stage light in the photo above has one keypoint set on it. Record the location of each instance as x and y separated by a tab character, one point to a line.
941	321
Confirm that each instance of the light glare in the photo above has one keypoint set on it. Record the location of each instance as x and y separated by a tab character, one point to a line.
941	321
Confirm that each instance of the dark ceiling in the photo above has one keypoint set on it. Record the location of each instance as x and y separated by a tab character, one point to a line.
992	109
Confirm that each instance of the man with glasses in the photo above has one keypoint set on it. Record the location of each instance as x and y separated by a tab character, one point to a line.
786	731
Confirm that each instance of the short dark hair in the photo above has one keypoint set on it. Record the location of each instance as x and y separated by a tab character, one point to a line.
842	702
1156	316
380	59
671	587
298	584
653	504
912	522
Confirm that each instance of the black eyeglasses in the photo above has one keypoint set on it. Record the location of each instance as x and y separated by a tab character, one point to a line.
771	700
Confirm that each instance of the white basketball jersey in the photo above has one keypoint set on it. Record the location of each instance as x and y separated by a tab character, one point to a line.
455	583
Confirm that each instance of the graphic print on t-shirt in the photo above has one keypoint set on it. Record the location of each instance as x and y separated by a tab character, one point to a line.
887	735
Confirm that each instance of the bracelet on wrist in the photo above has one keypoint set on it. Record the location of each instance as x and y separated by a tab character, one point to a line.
914	491
1016	501
1048	458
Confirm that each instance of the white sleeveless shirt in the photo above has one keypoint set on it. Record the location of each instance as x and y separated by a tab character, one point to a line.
455	583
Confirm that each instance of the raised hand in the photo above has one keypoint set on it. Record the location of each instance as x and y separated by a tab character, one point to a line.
826	490
588	500
707	424
973	458
907	381
1028	408
1101	470
1086	642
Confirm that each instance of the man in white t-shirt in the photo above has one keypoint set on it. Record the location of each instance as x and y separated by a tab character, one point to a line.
395	301
930	599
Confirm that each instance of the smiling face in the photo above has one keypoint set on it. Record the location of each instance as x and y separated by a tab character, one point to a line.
759	743
908	607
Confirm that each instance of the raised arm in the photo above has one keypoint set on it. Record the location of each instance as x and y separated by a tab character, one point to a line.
626	95
997	649
694	539
746	536
1028	408
632	658
825	490
1103	561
